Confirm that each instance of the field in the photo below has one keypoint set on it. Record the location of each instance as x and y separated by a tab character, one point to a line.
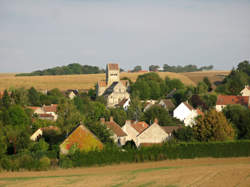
64	82
171	173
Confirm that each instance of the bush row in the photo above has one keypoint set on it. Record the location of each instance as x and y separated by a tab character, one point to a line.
111	155
163	152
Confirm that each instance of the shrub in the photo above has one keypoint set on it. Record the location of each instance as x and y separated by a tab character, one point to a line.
44	163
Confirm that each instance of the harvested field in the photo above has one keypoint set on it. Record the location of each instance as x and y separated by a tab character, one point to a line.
64	82
213	76
188	172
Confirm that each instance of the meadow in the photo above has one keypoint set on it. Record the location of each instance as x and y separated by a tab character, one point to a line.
169	173
88	81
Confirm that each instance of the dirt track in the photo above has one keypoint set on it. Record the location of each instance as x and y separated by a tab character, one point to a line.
197	172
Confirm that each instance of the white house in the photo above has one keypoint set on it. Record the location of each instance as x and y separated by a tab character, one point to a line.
246	91
186	113
46	111
39	132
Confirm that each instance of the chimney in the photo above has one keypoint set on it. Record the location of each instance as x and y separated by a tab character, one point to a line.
156	121
102	120
111	119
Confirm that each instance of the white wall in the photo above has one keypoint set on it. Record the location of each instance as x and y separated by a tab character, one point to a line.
181	112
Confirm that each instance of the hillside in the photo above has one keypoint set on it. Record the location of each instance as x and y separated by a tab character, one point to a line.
87	81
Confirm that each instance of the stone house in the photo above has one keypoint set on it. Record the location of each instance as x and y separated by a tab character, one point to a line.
119	136
71	94
48	112
134	128
113	89
83	138
246	91
167	104
224	100
154	134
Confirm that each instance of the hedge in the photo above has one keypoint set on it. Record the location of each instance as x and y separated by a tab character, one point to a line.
112	155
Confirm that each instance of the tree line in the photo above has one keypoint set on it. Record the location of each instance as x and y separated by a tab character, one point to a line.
70	69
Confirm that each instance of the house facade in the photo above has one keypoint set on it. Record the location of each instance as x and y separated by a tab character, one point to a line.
48	112
134	128
113	89
246	91
119	136
224	100
186	113
83	138
154	134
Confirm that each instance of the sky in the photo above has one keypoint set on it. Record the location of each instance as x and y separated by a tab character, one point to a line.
41	34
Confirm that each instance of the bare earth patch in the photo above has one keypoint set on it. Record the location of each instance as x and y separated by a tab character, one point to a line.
188	172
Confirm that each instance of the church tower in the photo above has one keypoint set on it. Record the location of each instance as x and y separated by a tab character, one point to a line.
112	73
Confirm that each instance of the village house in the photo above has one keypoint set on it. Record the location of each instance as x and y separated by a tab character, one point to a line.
144	135
148	104
113	89
167	104
48	112
186	113
125	103
119	136
134	128
245	91
39	132
154	134
83	139
224	100
71	94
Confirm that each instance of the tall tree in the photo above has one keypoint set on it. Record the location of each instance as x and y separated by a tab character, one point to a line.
240	117
34	97
213	126
6	101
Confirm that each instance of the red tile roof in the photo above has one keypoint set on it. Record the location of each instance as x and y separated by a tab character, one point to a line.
199	112
115	128
113	67
140	126
45	115
50	108
231	100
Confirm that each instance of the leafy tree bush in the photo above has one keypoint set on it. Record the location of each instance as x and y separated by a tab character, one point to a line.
44	163
161	114
185	134
213	126
240	117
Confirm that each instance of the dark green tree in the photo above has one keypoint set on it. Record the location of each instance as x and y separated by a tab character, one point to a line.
34	97
208	83
240	117
6	101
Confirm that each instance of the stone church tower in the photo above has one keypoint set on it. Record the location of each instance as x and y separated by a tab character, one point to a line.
113	89
112	73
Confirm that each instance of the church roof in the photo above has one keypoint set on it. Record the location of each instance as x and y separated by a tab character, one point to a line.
113	67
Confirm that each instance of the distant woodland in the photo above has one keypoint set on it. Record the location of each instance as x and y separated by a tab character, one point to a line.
187	68
76	68
66	70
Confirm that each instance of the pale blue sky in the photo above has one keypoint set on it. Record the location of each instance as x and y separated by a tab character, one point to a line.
39	34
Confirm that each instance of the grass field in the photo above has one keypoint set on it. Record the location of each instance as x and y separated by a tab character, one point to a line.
64	82
171	173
